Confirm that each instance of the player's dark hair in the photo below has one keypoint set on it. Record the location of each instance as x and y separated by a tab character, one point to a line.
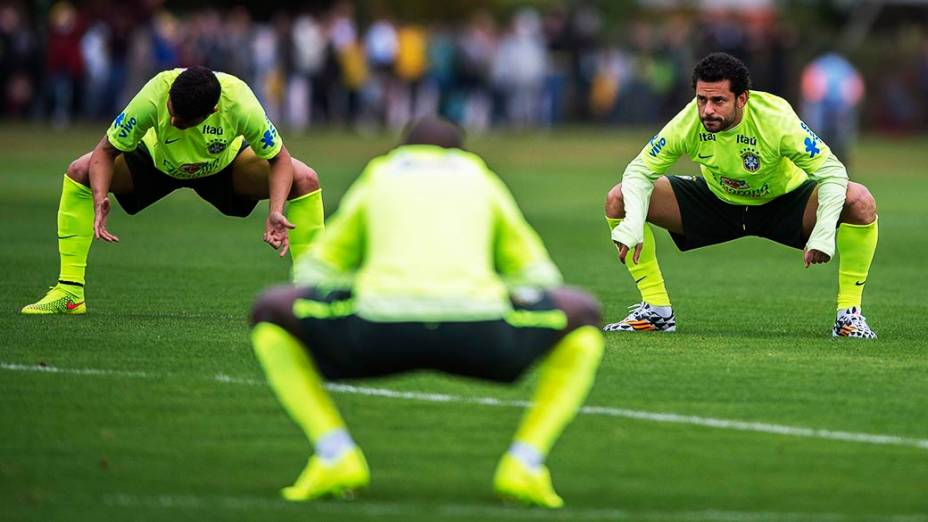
433	130
718	67
195	93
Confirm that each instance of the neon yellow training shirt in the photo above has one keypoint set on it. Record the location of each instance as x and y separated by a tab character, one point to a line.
428	234
765	156
202	150
768	154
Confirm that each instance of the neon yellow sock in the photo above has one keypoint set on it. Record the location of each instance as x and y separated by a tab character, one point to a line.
566	377
296	382
75	229
307	214
856	246
647	273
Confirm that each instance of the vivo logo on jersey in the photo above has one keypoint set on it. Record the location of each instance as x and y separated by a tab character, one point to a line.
746	140
125	126
657	145
706	136
209	129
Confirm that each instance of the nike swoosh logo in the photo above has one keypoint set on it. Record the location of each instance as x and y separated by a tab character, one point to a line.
167	142
640	280
704	157
861	283
67	237
71	305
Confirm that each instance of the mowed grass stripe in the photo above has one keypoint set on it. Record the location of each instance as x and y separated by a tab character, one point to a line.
607	411
477	512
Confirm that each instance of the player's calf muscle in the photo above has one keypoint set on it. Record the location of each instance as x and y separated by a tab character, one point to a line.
79	170
615	206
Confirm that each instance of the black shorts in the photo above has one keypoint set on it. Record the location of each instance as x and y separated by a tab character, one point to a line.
707	220
150	184
345	346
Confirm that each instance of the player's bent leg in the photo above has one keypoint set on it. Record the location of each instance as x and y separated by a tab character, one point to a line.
566	375
856	244
654	312
304	208
338	467
304	202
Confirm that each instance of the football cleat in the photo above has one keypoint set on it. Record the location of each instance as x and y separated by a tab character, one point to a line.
60	299
516	482
322	479
850	323
643	318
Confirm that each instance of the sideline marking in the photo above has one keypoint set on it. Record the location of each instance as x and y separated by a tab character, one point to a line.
604	411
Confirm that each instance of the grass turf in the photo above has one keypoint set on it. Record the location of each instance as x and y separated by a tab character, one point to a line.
169	303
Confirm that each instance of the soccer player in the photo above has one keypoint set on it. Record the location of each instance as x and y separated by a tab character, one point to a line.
764	173
185	128
428	264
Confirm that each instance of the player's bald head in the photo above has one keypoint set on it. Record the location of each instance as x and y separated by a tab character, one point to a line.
433	130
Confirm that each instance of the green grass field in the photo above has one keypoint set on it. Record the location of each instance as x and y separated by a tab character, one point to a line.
152	406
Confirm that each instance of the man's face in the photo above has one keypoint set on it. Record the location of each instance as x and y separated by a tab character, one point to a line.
184	123
719	108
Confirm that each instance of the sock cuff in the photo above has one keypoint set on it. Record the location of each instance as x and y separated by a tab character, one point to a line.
612	222
317	192
80	187
868	225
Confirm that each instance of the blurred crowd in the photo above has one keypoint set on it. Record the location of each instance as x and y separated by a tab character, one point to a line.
564	63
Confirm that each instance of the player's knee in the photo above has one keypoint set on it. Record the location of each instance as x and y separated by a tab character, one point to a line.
79	171
305	180
273	306
615	206
582	309
859	205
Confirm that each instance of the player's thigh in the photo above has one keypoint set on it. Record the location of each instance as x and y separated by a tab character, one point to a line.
250	175
79	171
664	210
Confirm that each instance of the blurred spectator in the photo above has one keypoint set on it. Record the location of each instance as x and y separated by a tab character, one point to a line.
19	64
64	65
519	69
831	91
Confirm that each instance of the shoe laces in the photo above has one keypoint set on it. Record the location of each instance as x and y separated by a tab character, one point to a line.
638	311
856	319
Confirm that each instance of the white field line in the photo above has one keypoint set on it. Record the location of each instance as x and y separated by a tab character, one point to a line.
477	512
604	411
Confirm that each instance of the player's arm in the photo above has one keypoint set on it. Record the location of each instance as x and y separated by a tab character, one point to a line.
279	181
808	152
262	135
102	164
123	135
652	162
519	254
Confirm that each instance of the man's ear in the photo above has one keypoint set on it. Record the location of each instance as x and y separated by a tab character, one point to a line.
742	99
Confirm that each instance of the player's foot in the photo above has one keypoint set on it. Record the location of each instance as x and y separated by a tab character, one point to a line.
850	323
515	481
330	479
643	317
60	299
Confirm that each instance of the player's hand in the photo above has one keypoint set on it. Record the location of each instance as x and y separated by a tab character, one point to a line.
815	257
100	212
623	252
275	232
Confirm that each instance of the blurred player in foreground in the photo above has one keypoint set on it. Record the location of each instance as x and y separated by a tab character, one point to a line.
186	128
427	265
764	173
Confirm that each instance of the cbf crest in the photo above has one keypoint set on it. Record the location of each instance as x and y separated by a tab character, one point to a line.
216	146
750	160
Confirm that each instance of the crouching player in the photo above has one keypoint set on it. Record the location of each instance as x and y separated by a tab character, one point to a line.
415	272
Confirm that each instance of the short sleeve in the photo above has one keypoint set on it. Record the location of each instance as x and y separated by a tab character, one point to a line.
663	150
801	145
255	126
140	115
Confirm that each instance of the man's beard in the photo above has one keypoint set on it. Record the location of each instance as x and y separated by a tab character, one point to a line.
721	124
